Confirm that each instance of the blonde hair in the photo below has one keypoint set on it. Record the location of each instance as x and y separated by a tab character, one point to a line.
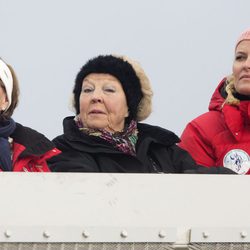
230	90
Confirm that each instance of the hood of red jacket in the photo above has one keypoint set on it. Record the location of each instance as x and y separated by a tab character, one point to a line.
217	100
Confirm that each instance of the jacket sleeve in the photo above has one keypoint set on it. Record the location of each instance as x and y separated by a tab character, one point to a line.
184	163
195	142
71	160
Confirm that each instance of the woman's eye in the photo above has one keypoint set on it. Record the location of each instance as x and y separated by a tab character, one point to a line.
87	90
110	90
240	57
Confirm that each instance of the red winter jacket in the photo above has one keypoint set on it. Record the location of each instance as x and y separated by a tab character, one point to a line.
31	150
220	137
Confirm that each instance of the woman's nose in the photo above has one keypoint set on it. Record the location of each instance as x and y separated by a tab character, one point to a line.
247	63
97	96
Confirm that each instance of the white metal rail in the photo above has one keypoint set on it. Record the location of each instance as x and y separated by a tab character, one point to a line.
124	211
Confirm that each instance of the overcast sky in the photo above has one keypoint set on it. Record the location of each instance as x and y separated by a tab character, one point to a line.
185	47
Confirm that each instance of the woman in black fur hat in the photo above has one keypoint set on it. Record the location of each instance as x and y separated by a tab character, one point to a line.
112	95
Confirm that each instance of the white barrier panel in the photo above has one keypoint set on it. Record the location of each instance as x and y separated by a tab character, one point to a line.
172	211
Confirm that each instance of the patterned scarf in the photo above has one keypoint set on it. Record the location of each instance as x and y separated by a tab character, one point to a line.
124	141
7	127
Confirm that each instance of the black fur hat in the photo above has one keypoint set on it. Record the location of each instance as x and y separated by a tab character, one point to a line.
118	68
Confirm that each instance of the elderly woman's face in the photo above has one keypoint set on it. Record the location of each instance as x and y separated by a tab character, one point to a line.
241	68
103	102
3	98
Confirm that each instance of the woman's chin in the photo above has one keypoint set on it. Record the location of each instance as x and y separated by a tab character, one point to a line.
97	125
244	92
244	89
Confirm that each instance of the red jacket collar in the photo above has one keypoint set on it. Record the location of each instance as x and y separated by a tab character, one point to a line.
236	117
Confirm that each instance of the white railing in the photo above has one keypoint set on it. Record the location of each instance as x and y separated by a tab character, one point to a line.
177	210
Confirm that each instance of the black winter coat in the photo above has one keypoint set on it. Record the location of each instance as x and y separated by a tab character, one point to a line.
156	152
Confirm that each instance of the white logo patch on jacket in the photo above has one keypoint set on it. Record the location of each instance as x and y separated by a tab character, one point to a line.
237	160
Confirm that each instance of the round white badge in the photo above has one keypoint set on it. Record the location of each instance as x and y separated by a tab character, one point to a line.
237	160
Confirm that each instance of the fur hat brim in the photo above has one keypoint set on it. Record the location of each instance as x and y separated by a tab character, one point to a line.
145	105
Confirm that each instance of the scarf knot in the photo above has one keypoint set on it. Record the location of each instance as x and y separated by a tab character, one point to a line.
7	127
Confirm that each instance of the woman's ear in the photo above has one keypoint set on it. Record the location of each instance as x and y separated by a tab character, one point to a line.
127	114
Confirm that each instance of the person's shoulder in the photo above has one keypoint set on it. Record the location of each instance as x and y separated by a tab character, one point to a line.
59	139
158	133
70	133
207	119
207	126
35	143
23	133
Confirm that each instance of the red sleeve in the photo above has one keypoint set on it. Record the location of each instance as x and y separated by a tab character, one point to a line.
194	140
